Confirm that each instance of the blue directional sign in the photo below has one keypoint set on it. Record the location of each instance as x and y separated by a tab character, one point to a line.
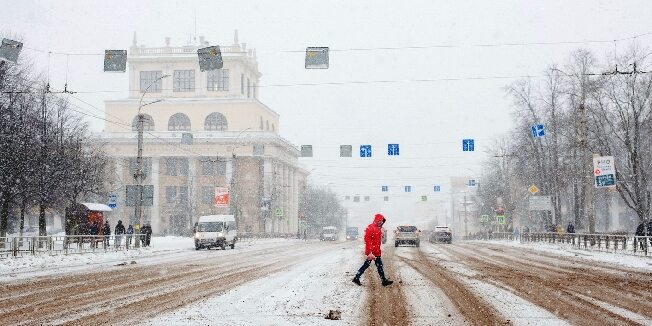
538	131
384	188
437	188
392	149
365	150
468	145
408	188
473	183
113	201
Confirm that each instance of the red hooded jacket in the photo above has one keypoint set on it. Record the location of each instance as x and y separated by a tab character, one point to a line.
373	236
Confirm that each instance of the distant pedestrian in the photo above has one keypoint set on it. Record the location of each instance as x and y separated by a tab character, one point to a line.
106	232
372	239
570	228
118	231
146	236
130	233
516	234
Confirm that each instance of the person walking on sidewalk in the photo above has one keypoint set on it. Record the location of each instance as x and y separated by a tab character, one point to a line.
372	239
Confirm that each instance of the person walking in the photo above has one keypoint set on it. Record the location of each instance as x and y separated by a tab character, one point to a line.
106	232
118	231
130	232
570	228
146	236
372	239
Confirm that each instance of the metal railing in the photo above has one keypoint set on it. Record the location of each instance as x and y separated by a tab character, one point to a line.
618	243
66	244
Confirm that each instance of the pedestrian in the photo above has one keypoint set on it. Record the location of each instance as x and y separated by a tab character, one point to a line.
130	233
118	231
570	228
372	239
106	232
516	234
146	236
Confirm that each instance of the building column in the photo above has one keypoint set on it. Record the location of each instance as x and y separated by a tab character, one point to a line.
155	218
194	195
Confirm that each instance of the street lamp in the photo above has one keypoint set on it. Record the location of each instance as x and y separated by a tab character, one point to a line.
138	175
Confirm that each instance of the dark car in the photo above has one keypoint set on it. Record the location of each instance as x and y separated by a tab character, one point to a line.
441	234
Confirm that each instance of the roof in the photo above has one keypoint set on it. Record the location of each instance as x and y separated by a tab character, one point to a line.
97	207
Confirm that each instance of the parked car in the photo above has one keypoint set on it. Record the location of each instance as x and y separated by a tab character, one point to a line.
213	231
441	234
406	234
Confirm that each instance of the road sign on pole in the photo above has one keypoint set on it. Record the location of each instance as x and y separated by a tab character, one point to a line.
278	212
538	131
221	198
468	145
604	169
384	188
437	188
473	183
113	201
533	189
346	150
365	150
540	203
392	149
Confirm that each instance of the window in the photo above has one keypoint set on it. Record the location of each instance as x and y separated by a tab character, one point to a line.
356	199
254	89
183	195
170	194
179	121
261	123
242	84
267	125
176	166
208	193
184	80
148	123
152	78
218	80
273	127
170	166
216	122
248	89
147	166
366	198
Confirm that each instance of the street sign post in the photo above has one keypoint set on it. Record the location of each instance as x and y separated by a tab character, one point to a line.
317	58
384	188
484	218
473	183
408	188
346	151
437	188
604	170
278	212
533	189
500	219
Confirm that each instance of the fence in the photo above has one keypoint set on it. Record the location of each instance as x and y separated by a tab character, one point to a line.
65	244
628	244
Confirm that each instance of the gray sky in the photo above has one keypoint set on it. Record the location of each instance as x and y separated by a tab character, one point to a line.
427	118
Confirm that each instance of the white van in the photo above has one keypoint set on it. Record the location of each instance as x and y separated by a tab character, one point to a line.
215	231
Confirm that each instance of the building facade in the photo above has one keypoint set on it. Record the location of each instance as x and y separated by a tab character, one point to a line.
202	131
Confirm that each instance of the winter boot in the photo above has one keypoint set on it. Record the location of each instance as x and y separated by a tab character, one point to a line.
356	281
387	282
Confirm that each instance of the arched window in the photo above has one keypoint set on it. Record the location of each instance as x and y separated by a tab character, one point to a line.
267	125
148	123
273	127
179	121
216	122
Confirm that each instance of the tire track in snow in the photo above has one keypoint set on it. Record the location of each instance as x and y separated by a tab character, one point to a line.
386	305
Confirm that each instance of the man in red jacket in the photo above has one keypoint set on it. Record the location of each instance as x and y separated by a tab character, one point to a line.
372	238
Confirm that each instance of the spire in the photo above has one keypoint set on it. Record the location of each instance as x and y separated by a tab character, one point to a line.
135	41
235	37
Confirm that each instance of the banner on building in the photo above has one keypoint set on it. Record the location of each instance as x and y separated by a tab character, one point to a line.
221	197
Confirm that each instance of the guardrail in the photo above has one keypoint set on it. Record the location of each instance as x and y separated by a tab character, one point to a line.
629	244
66	244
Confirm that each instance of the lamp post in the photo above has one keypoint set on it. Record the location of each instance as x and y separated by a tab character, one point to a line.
139	175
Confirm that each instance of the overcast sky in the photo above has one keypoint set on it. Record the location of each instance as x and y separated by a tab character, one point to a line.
427	118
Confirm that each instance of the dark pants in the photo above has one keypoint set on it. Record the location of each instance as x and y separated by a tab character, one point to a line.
367	263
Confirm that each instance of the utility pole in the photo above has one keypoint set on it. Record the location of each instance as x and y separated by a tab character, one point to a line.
587	159
139	176
466	231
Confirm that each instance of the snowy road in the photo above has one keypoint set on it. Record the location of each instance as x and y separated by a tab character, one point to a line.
290	282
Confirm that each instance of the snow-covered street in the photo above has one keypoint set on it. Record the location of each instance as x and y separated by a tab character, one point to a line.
292	282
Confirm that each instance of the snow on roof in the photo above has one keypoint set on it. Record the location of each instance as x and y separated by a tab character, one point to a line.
97	207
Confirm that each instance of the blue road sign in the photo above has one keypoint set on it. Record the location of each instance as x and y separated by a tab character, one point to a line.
113	201
538	130
408	188
392	149
384	188
472	183
365	150
468	145
437	188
